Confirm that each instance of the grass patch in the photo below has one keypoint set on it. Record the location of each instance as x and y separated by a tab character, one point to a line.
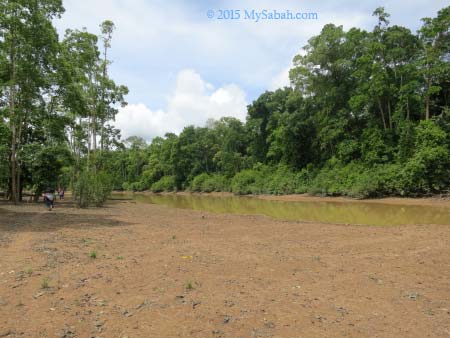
93	254
189	286
29	271
45	284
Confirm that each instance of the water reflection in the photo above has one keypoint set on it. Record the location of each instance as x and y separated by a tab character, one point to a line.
313	211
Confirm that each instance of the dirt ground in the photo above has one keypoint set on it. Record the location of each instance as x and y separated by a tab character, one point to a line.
161	272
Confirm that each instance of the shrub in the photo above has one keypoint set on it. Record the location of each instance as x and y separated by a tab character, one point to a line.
136	186
427	170
249	181
359	181
285	181
198	182
166	183
92	189
208	183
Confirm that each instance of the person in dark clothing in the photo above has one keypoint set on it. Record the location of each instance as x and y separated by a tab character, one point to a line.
49	199
61	194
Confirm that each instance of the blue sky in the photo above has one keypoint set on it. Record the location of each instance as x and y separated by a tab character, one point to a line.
182	67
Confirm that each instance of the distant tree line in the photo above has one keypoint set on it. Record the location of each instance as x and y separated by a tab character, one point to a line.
367	115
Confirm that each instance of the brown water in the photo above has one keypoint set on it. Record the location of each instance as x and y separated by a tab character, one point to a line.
310	211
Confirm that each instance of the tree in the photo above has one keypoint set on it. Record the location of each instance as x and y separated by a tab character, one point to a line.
434	63
29	45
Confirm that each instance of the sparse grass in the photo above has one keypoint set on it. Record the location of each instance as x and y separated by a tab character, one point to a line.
93	254
174	237
189	286
45	284
86	241
29	271
119	257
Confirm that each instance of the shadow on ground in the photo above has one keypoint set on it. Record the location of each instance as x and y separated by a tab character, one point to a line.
35	217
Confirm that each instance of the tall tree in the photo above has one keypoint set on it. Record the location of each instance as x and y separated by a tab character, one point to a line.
29	45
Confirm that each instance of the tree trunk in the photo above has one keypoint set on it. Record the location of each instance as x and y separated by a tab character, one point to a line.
390	115
89	138
382	113
13	127
407	109
94	132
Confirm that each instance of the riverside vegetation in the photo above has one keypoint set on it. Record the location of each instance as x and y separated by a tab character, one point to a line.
367	115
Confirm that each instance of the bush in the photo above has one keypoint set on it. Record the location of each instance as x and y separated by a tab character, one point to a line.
249	181
358	181
427	170
208	183
166	183
199	181
285	181
92	189
136	186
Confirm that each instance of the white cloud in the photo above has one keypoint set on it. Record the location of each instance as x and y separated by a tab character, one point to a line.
193	101
281	80
156	39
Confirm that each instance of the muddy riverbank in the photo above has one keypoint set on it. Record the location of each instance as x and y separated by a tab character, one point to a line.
165	272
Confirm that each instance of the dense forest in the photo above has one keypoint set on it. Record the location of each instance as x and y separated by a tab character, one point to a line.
56	103
367	114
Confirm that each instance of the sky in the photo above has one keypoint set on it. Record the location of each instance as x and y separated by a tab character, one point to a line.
183	68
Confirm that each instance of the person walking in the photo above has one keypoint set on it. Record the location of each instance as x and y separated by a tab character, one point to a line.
49	199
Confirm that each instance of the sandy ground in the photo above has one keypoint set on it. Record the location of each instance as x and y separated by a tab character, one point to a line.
162	272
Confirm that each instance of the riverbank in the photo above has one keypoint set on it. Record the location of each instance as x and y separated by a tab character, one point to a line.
438	201
161	272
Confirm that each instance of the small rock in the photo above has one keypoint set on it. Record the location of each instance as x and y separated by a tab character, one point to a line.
269	325
412	295
39	294
227	319
126	313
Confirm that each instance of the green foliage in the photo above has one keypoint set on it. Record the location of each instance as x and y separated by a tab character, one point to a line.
428	170
209	183
166	183
367	115
285	181
249	181
45	283
357	180
92	189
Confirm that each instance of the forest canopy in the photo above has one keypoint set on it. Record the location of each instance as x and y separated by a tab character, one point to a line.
367	114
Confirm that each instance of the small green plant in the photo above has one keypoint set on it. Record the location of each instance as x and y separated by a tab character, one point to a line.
93	254
174	237
189	286
45	284
119	257
29	271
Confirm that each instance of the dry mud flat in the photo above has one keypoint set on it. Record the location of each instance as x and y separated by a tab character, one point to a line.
162	272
